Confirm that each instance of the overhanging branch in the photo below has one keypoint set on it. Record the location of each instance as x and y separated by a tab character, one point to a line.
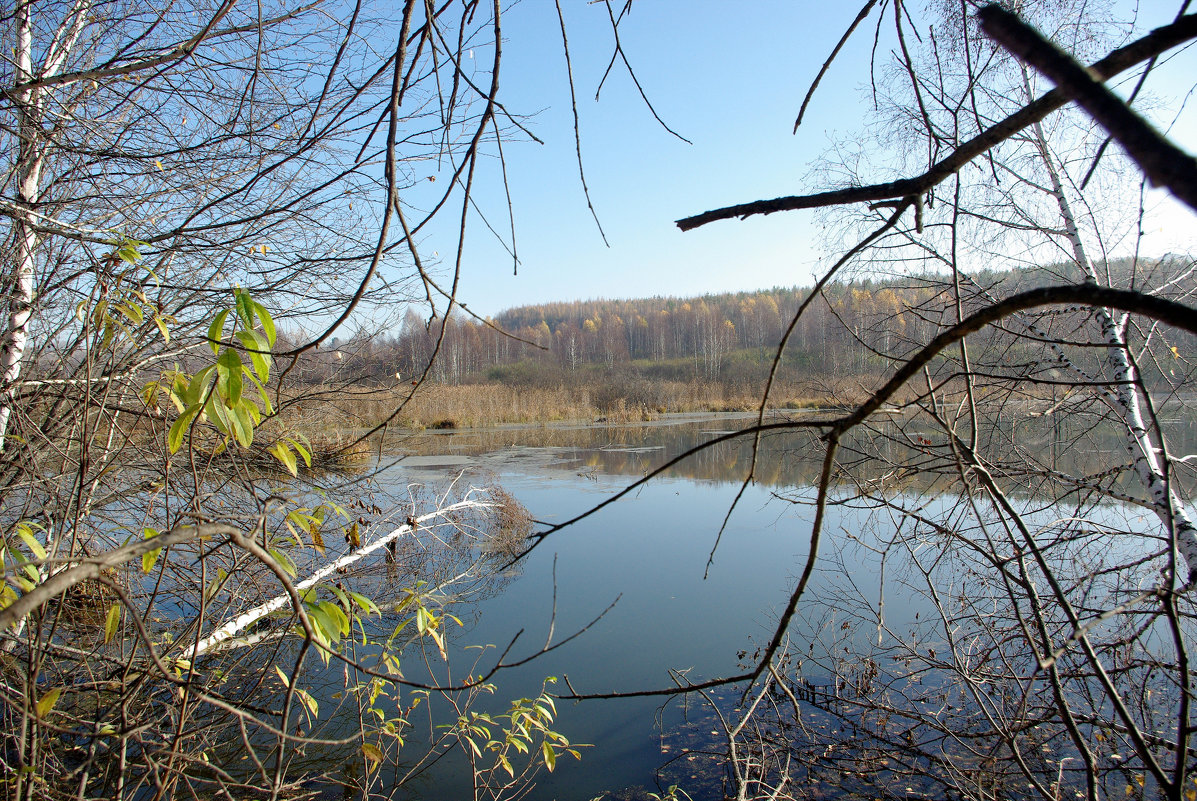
1154	43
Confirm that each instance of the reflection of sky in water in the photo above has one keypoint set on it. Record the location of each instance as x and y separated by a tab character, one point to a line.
651	550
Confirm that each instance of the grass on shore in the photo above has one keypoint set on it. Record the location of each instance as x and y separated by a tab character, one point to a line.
439	406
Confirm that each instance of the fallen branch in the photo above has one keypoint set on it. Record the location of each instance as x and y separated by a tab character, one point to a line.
230	629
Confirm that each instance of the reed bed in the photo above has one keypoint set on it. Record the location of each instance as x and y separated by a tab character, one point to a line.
325	416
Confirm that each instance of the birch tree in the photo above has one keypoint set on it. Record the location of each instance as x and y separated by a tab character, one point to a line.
181	180
1014	606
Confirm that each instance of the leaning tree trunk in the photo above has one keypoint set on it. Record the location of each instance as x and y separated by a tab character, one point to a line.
1124	399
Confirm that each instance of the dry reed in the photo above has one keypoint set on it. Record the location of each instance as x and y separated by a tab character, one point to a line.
329	415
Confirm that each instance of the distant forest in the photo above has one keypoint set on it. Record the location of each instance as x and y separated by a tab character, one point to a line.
853	328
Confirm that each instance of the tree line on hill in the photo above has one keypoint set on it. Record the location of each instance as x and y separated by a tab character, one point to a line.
854	327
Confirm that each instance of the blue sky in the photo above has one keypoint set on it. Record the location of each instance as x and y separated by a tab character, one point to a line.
729	76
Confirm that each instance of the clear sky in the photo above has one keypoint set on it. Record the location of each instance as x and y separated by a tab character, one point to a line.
729	76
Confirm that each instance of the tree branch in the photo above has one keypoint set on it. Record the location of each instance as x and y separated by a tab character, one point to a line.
1123	58
1162	162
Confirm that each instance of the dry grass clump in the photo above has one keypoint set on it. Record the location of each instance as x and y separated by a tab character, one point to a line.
85	605
510	524
339	452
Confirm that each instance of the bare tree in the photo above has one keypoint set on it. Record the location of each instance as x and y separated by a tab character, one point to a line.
1024	515
181	180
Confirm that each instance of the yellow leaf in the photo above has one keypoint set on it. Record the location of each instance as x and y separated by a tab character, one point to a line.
284	455
158	164
372	753
440	645
149	559
112	622
282	676
47	702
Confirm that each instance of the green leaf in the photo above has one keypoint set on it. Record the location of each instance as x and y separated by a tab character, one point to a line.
214	585
7	596
158	321
112	622
365	603
263	395
322	624
550	756
228	371
35	547
149	558
197	388
258	350
302	451
284	455
337	615
131	311
127	250
245	307
243	424
284	562
174	438
218	413
309	702
267	323
282	676
216	330
47	702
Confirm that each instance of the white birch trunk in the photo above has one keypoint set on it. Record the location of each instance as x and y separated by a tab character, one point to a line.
29	171
225	632
1124	399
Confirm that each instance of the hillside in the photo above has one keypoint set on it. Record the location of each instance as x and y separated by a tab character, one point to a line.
856	328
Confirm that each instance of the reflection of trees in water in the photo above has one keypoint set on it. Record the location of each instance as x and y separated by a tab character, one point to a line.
1023	443
1008	645
941	651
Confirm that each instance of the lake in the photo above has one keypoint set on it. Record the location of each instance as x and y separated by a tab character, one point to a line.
658	600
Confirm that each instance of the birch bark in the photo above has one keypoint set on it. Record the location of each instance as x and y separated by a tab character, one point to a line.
1124	400
29	171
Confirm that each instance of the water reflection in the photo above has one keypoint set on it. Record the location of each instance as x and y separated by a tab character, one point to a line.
682	604
1068	444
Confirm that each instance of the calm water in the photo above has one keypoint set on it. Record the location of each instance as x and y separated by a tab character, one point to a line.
648	555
